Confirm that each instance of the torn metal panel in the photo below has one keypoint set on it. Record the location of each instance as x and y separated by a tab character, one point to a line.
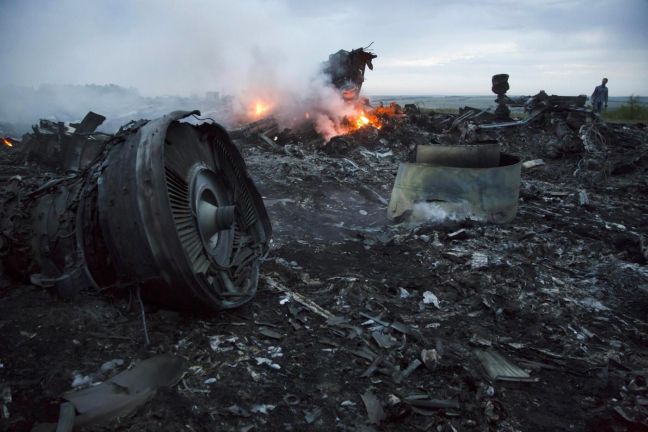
67	416
498	368
423	401
375	412
534	115
63	147
126	391
423	192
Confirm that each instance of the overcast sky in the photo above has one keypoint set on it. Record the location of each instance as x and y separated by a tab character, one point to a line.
423	46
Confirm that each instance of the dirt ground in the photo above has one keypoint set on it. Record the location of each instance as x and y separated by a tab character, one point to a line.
561	292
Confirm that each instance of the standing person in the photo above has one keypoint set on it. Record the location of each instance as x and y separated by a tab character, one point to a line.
600	97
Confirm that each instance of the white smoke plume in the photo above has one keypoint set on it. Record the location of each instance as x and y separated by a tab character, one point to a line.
291	99
436	212
165	55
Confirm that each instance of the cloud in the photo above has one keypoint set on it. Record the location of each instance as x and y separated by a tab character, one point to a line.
424	47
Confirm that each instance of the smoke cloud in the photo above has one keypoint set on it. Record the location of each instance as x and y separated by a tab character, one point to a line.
185	48
164	55
159	47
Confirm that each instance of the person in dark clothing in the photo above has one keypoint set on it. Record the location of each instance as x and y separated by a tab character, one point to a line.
600	97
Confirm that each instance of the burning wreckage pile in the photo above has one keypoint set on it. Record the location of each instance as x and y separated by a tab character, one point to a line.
427	271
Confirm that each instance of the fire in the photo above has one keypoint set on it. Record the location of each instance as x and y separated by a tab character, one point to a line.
392	110
366	116
255	109
260	108
6	142
363	119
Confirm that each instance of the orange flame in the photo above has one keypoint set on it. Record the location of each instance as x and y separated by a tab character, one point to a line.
260	108
372	117
6	142
363	119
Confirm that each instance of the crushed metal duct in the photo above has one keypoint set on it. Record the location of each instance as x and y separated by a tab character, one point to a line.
457	182
163	205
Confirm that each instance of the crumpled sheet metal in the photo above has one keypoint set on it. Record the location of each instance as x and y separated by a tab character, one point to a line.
423	192
126	391
479	155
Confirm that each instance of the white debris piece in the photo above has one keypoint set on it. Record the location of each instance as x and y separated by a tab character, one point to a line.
216	343
479	260
267	361
275	351
79	380
533	163
197	370
592	303
112	364
430	298
255	376
430	358
262	408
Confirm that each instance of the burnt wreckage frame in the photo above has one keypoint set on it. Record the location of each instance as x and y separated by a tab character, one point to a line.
163	205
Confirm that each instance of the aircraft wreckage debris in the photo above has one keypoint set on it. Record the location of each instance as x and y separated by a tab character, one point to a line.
163	206
361	323
457	182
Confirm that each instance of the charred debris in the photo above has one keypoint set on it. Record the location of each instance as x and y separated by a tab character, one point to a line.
163	206
346	70
513	298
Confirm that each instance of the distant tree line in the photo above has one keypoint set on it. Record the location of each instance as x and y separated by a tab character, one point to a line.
632	110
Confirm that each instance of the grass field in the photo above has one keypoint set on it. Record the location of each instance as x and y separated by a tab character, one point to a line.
632	110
